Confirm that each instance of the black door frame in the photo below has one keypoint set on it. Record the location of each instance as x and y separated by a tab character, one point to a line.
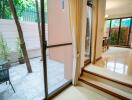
44	45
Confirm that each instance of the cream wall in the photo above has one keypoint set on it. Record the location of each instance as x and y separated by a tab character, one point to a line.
83	31
119	16
101	21
98	20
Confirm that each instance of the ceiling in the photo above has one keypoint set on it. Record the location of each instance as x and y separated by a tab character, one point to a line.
115	8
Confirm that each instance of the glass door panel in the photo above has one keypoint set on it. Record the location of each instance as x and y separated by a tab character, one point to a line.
107	28
59	50
130	37
88	35
59	66
124	31
114	31
27	86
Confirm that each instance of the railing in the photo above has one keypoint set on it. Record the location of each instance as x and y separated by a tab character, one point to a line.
28	15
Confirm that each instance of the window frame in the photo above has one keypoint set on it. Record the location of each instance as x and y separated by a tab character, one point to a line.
130	28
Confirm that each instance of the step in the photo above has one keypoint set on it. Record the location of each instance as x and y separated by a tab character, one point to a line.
106	88
108	82
79	93
103	94
109	75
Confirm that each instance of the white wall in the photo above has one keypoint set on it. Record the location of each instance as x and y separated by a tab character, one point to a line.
118	8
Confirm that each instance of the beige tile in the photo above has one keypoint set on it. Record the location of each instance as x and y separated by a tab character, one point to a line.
79	93
118	60
116	63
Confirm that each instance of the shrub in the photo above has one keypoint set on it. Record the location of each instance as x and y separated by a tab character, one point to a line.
4	49
18	48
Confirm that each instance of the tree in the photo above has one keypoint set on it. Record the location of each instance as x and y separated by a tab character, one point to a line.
20	33
45	6
123	36
20	5
39	26
18	48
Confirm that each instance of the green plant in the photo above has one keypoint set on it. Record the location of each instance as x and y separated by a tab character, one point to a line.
18	48
114	36
21	4
4	49
123	36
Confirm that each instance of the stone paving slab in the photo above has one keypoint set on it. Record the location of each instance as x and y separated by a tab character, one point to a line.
31	86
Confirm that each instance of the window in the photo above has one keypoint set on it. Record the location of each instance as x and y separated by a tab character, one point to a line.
62	4
88	36
107	28
130	36
120	30
114	31
124	31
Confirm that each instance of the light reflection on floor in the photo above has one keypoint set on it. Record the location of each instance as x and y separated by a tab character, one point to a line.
117	67
118	60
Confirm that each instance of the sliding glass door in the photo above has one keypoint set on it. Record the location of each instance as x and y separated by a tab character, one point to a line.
57	47
108	22
119	31
88	34
114	31
130	35
59	66
124	31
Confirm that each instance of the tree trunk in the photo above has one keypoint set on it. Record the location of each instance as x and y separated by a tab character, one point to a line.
20	33
39	28
3	10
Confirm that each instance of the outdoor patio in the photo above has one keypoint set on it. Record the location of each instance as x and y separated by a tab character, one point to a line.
30	86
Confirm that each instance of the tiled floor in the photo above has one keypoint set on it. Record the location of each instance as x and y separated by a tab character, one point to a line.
31	86
115	63
118	60
79	93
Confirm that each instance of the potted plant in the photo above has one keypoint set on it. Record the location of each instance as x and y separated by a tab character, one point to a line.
4	52
19	52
